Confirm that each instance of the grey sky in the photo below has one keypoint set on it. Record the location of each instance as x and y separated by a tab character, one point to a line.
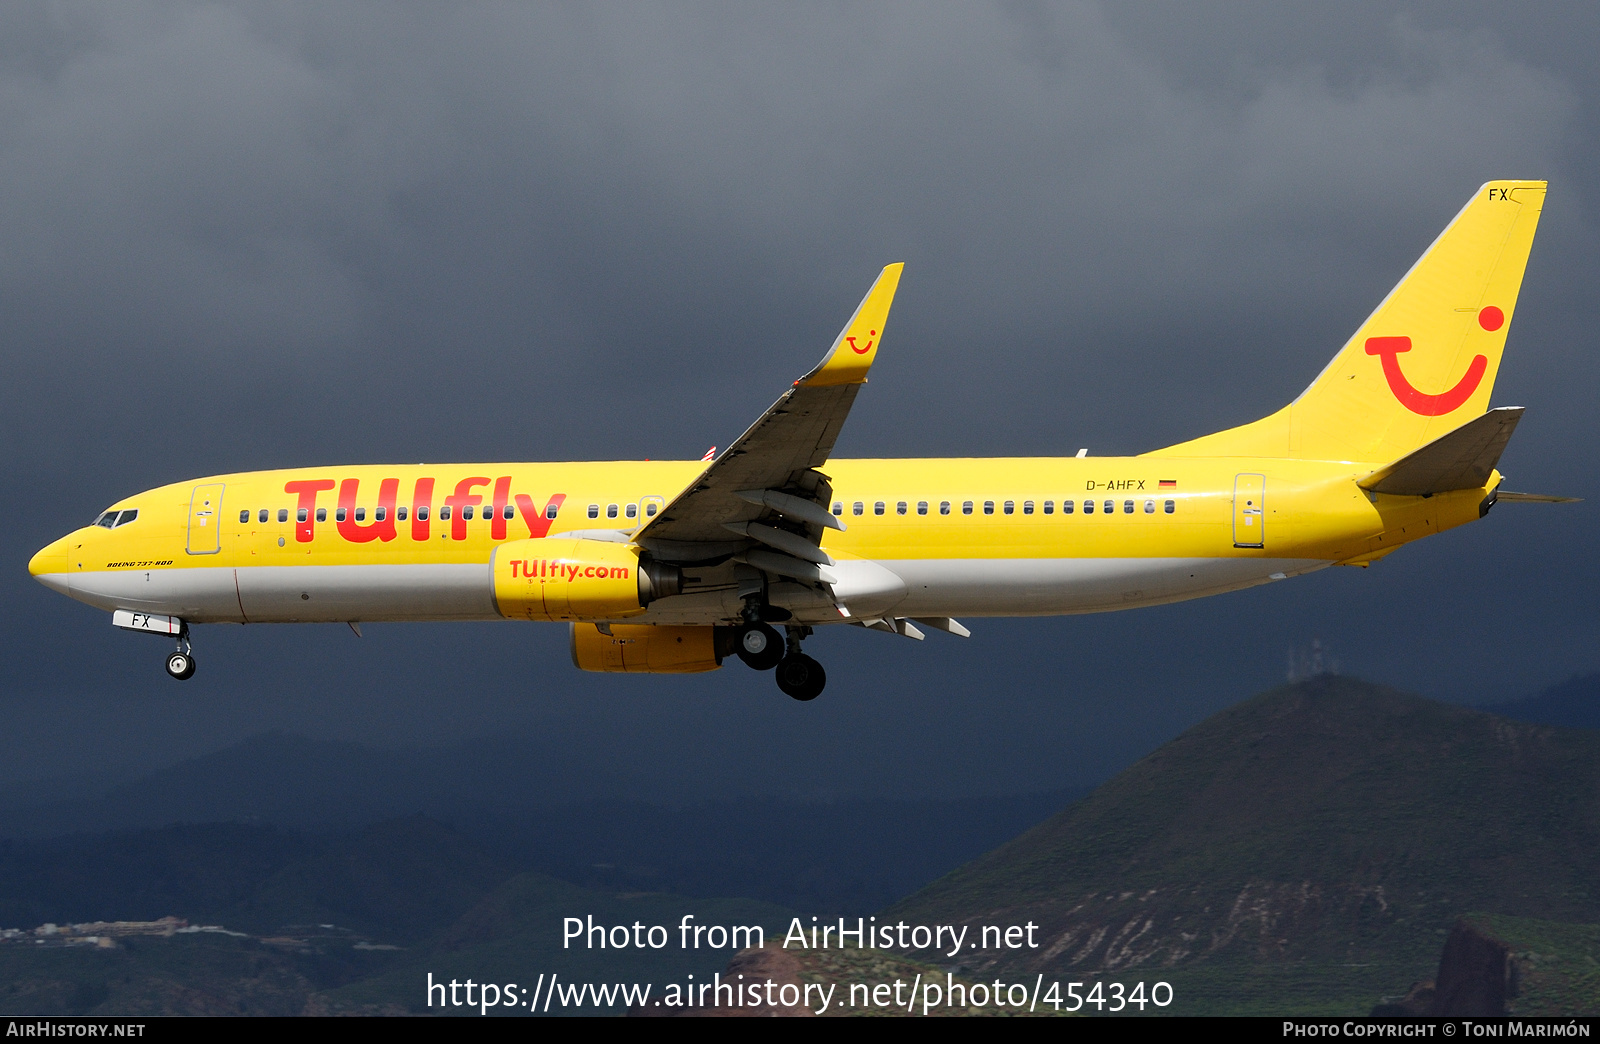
239	235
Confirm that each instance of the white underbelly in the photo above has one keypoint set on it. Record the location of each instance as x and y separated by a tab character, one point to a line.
931	587
1062	586
297	594
997	587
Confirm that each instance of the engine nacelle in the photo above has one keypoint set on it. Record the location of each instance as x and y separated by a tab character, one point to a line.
563	578
644	649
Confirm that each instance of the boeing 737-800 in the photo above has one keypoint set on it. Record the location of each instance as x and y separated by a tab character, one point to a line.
670	567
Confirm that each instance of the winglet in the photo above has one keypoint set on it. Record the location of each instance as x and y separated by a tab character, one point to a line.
848	361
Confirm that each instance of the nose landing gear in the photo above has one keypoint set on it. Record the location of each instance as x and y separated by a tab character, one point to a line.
181	663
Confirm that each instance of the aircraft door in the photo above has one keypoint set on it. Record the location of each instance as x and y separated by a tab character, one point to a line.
205	519
1249	510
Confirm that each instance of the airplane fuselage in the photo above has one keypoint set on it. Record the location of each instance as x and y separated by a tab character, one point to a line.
923	537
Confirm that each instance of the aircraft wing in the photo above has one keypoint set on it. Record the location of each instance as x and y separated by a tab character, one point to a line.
763	497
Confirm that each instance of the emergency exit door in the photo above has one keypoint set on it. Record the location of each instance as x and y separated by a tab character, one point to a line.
1249	510
205	520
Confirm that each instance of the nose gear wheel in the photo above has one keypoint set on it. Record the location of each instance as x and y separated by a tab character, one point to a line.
181	665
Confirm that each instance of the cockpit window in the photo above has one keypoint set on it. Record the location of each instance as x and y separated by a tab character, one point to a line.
113	519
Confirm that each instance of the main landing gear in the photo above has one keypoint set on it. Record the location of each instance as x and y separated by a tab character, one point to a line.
761	648
800	676
180	664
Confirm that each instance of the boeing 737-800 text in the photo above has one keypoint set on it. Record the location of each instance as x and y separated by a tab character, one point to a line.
669	567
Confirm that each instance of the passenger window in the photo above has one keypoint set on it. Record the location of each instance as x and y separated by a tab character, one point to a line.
361	514
857	508
444	513
877	507
262	517
422	514
900	507
1066	507
1010	507
322	514
1088	507
1110	507
400	513
338	516
1127	507
611	511
379	515
944	507
1149	507
922	507
551	508
632	510
594	510
244	516
988	507
649	511
966	507
1171	506
466	511
1049	507
1027	507
283	515
300	516
838	507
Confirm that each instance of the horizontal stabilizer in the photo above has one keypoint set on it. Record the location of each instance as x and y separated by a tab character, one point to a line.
1505	495
1461	459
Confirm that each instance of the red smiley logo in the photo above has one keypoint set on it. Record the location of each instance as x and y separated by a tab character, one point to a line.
862	351
1389	350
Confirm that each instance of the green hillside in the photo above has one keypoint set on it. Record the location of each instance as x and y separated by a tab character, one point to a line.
1557	965
1305	851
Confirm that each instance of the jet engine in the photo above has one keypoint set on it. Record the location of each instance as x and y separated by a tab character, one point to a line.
645	649
564	578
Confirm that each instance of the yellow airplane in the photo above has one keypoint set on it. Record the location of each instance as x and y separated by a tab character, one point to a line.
671	566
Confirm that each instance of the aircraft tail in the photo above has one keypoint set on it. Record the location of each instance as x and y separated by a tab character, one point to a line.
1424	363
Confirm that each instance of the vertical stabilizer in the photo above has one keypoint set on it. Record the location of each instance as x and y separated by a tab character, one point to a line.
1424	362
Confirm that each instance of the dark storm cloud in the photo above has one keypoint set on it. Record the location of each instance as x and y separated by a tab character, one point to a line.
238	235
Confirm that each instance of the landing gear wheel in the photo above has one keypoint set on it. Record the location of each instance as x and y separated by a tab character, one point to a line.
801	677
181	666
760	647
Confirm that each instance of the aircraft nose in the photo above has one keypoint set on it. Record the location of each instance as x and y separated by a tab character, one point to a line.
49	566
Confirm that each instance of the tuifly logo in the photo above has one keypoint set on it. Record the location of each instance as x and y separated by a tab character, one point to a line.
1389	350
868	348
